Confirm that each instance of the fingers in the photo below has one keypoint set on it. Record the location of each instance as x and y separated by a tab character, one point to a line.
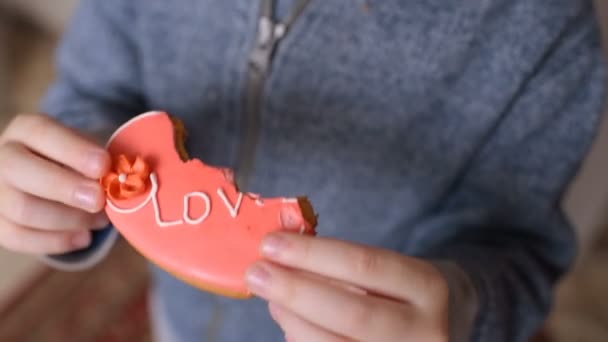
387	273
298	329
342	312
50	139
48	176
29	211
25	240
36	176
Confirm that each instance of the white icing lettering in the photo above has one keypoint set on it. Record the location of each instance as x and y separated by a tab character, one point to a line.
152	196
186	218
159	220
203	217
234	210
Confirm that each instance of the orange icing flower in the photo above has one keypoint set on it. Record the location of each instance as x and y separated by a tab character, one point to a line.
127	179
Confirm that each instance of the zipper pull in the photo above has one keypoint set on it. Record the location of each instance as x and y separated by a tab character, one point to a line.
269	35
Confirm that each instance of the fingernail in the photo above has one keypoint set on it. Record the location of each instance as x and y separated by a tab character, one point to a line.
96	162
258	279
273	245
81	239
275	311
101	221
290	218
87	196
229	175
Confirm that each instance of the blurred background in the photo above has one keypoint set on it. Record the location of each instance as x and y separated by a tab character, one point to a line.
108	303
105	304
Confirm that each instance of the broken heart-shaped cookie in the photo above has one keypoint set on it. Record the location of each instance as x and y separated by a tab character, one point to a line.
187	217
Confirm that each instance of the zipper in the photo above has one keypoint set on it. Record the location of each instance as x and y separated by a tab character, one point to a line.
269	34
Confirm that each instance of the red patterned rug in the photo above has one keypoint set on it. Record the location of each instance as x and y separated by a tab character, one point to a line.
105	304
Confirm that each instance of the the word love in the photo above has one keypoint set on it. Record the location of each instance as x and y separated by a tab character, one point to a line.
233	208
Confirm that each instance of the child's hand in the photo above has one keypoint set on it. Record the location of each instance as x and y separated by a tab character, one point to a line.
49	194
328	290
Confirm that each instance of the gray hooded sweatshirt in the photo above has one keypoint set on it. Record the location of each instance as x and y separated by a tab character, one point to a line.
442	129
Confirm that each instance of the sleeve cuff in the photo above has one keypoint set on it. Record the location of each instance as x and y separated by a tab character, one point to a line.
102	243
464	303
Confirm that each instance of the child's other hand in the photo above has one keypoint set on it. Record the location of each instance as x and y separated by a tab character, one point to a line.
327	290
50	197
